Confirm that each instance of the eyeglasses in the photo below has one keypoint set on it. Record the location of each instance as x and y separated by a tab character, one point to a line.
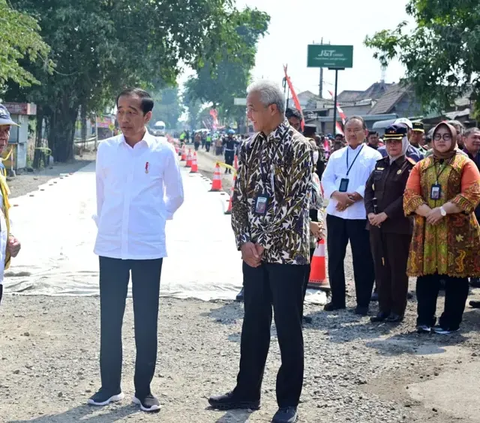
446	137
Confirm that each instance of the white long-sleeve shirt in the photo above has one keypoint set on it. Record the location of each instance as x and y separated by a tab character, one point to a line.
357	178
138	189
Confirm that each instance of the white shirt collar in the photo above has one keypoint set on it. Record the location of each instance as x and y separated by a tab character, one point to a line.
148	138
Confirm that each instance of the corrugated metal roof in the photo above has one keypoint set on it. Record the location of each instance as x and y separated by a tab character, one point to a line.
387	102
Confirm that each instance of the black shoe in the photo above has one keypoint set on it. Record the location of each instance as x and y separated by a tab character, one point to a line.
380	317
285	415
361	311
474	304
332	307
307	319
441	331
394	318
240	297
148	403
229	402
105	397
409	296
424	329
475	282
374	297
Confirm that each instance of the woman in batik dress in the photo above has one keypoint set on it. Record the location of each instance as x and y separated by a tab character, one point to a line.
442	193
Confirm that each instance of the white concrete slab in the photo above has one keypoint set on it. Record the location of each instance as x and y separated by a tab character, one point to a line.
58	233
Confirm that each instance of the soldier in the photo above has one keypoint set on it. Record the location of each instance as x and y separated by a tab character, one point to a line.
390	230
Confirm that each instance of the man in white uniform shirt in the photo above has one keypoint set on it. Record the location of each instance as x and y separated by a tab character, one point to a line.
344	182
139	187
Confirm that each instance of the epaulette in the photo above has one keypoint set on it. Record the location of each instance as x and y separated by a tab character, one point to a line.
412	162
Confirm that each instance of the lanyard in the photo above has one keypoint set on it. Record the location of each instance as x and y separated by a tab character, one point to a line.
443	168
350	168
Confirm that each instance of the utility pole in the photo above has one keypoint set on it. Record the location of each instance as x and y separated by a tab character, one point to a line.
320	88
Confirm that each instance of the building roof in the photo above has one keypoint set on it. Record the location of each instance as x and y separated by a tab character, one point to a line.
348	96
375	91
387	102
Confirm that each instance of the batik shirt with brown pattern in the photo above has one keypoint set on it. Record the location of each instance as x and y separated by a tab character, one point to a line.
278	166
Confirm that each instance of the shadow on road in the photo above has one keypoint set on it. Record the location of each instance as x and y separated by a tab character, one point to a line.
84	411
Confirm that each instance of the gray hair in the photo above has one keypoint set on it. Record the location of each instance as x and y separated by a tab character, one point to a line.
270	93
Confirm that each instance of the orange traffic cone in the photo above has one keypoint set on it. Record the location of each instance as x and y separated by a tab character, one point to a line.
318	274
184	154
229	210
217	179
189	159
194	168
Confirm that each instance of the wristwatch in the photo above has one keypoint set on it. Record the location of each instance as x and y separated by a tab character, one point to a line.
443	212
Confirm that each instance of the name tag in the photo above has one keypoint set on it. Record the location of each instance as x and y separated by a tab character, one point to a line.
436	192
343	185
261	203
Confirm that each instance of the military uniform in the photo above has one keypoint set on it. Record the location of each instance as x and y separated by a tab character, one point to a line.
391	241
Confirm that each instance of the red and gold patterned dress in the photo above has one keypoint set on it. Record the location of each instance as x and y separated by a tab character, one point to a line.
452	247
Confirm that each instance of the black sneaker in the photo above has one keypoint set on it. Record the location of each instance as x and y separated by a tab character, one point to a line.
374	297
229	402
149	403
332	307
474	304
285	415
441	331
394	318
361	311
239	298
380	317
424	329
105	397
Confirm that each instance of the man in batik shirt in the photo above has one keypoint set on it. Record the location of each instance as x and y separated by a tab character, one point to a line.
271	224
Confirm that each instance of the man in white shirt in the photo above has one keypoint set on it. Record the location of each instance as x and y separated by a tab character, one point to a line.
344	182
139	187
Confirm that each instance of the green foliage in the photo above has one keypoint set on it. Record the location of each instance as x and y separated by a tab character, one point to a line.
220	82
168	107
20	41
441	54
102	46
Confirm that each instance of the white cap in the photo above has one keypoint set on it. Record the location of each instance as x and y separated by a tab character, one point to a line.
404	121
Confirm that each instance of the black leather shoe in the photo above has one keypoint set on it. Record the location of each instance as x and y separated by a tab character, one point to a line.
475	282
394	318
230	402
474	304
332	307
285	415
361	311
374	297
239	298
380	317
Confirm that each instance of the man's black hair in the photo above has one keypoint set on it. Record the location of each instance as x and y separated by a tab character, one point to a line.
146	99
293	112
372	133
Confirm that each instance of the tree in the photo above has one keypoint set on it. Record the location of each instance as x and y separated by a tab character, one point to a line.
441	54
20	41
220	82
168	107
102	46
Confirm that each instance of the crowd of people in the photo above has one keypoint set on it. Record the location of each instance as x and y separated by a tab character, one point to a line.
407	206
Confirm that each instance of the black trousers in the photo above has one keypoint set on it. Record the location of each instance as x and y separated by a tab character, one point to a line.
1	292
340	231
114	278
456	293
282	286
229	157
390	256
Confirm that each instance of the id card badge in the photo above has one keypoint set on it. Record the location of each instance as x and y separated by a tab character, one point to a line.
343	185
261	204
436	192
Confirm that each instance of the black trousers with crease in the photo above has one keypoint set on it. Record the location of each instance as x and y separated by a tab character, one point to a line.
282	286
114	278
340	231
